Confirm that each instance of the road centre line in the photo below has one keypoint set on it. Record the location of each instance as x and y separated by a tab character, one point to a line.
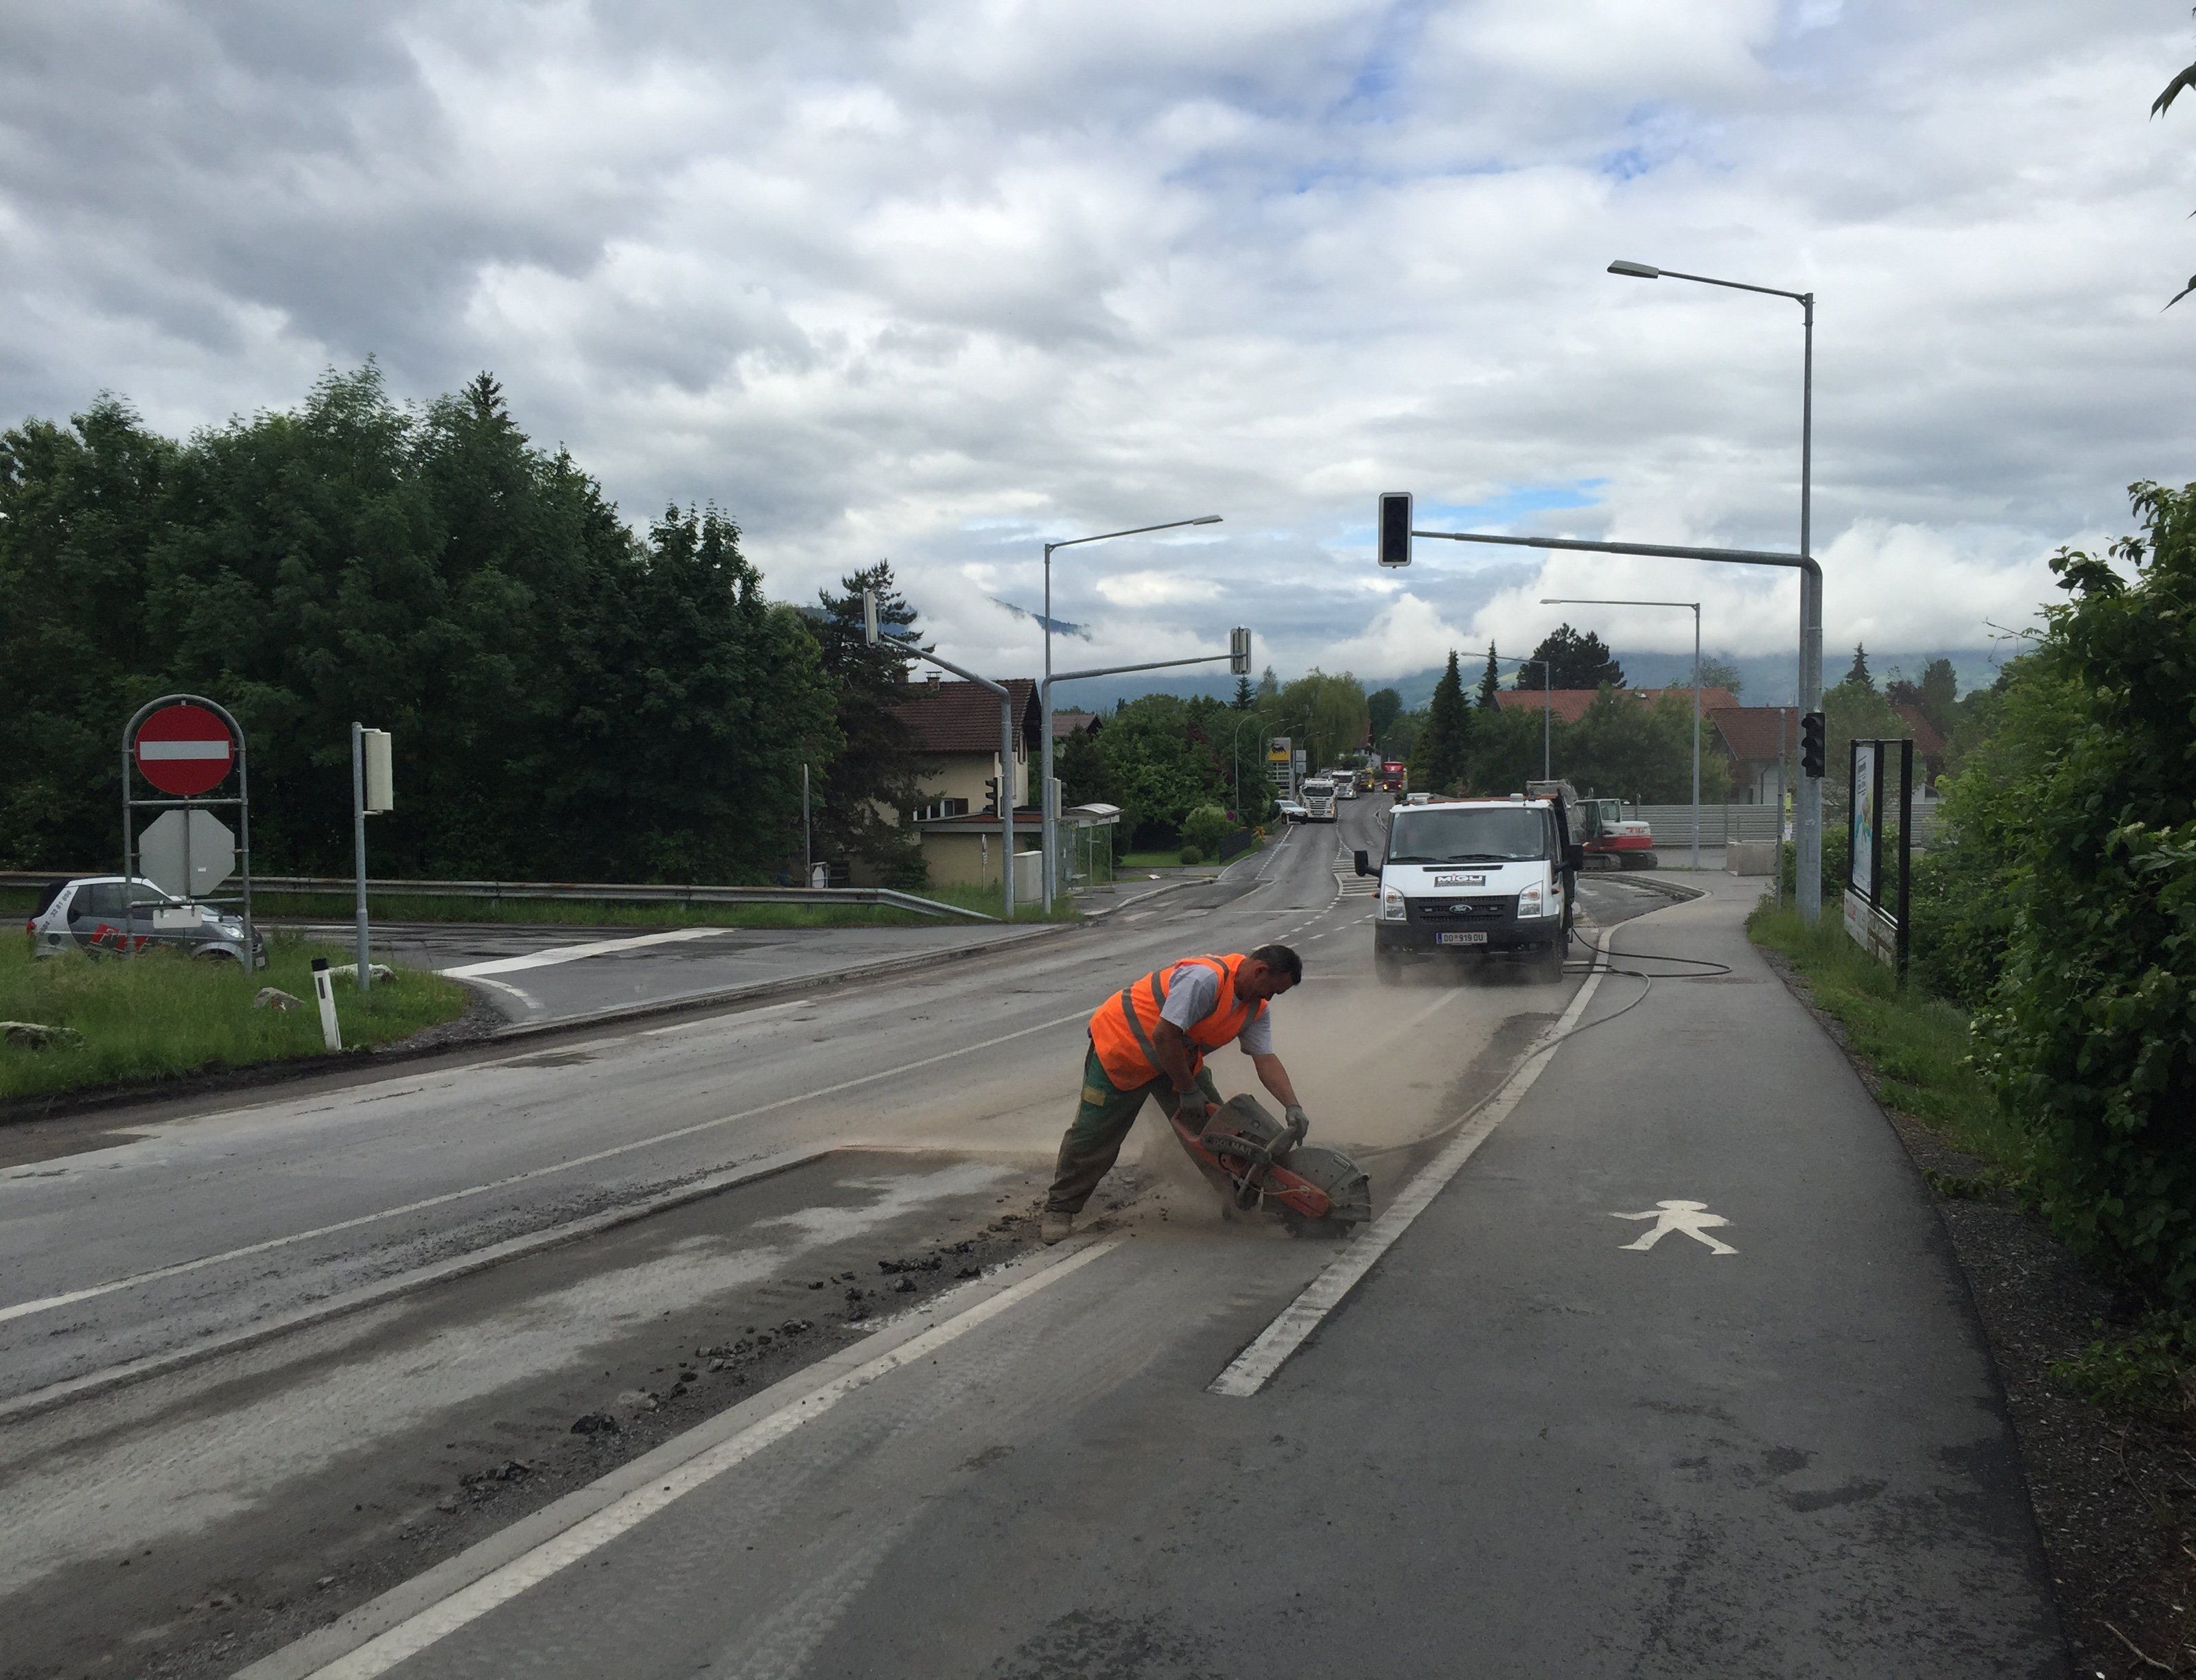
47	1303
591	1532
543	959
1254	1367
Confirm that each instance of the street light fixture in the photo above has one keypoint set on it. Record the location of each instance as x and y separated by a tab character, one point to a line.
1595	601
1810	812
1049	815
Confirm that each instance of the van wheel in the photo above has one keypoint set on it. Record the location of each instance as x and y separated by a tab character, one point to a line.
1548	964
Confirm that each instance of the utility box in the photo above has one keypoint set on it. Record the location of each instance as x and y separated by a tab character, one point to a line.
1750	857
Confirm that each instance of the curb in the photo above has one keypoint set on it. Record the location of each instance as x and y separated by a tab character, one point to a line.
221	1080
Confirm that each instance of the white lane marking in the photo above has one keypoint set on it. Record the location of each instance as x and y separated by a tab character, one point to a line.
527	998
726	1021
542	959
47	1303
590	1533
1691	1218
1254	1367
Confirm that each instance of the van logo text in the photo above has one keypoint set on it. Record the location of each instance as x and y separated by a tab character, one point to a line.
1459	880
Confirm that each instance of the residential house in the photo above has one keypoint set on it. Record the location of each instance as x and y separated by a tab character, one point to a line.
955	726
1749	737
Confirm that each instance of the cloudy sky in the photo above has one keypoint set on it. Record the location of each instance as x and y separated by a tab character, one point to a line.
935	282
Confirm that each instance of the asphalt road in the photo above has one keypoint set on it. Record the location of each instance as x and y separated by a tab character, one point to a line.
1516	1447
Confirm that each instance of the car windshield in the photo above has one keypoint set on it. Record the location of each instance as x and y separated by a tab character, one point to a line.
1469	835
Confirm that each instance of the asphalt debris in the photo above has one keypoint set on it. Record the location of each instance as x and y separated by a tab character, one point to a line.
595	1424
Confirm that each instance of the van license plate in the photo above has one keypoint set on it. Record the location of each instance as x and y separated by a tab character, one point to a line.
1460	938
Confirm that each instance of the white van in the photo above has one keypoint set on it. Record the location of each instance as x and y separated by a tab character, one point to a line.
1473	879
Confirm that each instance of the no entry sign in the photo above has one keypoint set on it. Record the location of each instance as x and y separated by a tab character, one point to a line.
184	750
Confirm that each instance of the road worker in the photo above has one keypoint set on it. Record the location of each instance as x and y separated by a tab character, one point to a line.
1150	1040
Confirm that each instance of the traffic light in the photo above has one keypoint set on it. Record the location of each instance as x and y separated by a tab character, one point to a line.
1814	745
1238	652
1395	528
992	795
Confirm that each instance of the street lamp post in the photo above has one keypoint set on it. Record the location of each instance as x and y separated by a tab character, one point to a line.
1547	710
1810	812
1047	816
1591	601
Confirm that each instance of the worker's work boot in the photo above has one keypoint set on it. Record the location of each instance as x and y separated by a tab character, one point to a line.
1055	1225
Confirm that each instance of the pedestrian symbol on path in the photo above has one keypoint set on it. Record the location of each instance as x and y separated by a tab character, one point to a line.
1693	1218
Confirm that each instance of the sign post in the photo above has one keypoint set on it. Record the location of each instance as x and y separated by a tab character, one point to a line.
185	746
372	792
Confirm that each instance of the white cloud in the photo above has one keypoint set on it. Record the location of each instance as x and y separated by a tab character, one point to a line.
935	283
1156	589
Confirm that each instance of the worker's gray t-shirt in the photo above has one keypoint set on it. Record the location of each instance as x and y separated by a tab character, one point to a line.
1191	990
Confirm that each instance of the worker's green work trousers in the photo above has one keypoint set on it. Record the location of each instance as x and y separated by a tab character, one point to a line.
1102	1120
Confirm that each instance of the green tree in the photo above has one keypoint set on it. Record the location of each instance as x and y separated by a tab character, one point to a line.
82	505
1490	683
2090	1035
1857	675
1332	713
1245	695
1439	764
567	701
1082	770
1578	660
1382	707
875	778
1718	674
1633	751
1401	741
1161	764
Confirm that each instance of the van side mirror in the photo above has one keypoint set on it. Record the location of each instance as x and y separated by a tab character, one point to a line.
1574	857
1364	860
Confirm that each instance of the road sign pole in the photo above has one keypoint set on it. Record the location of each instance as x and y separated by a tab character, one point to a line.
358	845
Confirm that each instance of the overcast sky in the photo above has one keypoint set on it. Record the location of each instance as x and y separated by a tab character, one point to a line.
935	282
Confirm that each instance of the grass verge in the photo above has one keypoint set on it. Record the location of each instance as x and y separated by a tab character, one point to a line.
610	913
159	1014
1919	1045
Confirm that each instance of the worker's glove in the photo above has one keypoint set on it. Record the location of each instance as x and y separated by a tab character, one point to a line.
1299	1122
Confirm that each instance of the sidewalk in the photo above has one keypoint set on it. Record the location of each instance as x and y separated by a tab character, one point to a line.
1790	1459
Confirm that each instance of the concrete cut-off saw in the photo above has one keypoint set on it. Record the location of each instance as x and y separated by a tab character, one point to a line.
1259	1163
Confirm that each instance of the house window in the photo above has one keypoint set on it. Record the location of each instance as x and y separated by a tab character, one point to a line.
938	808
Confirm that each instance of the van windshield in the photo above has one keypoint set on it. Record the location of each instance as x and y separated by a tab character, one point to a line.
1468	835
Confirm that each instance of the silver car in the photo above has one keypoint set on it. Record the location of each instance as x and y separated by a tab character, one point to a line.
109	915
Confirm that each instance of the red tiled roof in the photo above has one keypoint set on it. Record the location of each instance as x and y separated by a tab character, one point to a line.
947	718
1065	723
1927	741
1749	732
1570	704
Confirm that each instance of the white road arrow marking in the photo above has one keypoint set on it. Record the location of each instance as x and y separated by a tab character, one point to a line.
1693	1218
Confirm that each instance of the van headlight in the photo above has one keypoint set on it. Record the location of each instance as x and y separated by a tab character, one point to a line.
1391	905
1533	901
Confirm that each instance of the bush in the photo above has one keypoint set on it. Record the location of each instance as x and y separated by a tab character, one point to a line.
1206	828
1837	854
2090	1033
1190	854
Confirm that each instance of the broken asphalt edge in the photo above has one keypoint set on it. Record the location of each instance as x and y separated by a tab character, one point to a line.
309	1655
386	1290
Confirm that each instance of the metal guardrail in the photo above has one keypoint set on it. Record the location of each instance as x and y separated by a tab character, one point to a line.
1720	824
644	893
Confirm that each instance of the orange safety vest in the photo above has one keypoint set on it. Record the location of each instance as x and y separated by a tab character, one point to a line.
1121	1031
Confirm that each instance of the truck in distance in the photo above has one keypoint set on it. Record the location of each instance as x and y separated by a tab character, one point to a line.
1318	794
